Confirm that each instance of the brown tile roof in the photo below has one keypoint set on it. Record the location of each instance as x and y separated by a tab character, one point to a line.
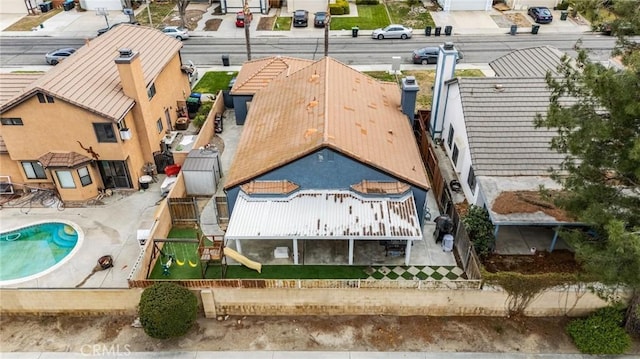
14	84
328	104
62	159
257	74
89	78
376	187
269	187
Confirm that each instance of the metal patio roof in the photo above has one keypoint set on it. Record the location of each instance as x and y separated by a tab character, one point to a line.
325	214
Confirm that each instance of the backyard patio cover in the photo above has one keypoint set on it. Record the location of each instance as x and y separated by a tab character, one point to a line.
325	214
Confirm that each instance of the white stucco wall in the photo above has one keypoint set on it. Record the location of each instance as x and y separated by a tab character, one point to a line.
454	118
98	4
15	6
454	5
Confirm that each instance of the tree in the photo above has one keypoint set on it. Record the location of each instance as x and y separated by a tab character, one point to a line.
167	310
182	11
596	111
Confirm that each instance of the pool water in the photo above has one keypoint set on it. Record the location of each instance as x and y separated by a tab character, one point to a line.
29	251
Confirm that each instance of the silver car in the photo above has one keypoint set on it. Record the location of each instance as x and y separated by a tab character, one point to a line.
393	31
56	56
180	33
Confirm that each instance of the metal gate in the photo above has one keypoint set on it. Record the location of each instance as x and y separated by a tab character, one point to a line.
222	211
184	211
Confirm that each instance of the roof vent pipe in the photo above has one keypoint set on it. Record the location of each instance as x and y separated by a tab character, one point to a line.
124	52
448	45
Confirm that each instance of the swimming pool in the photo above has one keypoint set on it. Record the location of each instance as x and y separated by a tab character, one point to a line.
35	250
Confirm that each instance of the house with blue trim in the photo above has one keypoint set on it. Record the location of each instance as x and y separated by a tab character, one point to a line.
328	153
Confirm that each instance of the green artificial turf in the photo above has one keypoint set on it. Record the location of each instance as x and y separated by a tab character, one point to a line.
370	17
214	81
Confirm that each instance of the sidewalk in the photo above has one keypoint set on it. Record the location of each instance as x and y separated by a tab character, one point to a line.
84	24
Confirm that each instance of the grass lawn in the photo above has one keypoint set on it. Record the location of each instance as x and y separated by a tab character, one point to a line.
282	24
29	22
158	12
214	81
369	17
425	80
416	17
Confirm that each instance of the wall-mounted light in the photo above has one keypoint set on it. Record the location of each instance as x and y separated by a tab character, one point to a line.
125	134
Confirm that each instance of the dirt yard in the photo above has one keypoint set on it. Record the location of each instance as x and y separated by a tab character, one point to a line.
352	333
295	333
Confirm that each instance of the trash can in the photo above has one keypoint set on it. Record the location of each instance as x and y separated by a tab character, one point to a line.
68	5
225	60
514	29
354	31
447	30
427	31
438	30
563	15
144	181
46	6
534	29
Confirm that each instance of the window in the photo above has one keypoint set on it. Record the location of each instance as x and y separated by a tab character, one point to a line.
11	121
471	180
42	98
450	137
159	125
65	179
454	156
34	170
105	132
85	178
151	91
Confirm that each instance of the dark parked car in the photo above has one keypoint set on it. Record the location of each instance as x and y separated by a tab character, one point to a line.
300	18
429	55
319	19
540	14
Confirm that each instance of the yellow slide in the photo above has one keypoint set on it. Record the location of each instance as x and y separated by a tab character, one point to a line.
242	259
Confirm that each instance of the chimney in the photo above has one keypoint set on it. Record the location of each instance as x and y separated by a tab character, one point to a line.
131	75
447	57
408	100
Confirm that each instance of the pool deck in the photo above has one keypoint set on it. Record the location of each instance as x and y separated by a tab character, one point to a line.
108	230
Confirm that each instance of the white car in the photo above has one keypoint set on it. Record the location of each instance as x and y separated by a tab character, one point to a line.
180	33
393	31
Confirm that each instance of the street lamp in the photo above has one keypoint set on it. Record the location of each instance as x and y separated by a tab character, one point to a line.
247	22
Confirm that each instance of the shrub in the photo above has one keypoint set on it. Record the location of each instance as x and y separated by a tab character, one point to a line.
601	332
480	230
167	310
367	2
202	114
335	9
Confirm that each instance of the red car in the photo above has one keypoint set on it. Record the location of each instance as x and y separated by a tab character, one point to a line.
240	19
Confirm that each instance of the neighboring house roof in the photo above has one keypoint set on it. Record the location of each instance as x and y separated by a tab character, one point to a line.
14	84
328	104
324	214
498	115
529	62
90	79
257	74
62	159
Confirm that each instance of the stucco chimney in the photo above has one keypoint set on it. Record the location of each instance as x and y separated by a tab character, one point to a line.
131	75
409	94
447	58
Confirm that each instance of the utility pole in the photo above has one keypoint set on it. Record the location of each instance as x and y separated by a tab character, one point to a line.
247	21
327	24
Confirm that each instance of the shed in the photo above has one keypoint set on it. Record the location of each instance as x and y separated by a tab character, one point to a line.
201	171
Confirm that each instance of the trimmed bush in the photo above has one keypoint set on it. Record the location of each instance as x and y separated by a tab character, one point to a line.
600	332
167	310
367	2
341	7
